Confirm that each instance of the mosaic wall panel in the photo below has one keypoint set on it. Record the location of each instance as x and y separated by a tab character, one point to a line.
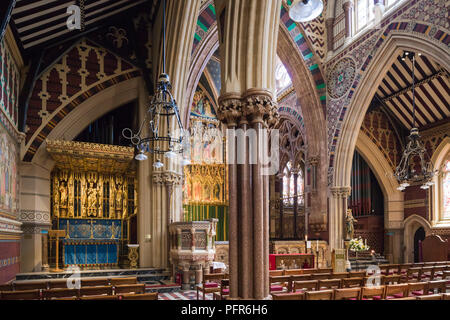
9	177
10	81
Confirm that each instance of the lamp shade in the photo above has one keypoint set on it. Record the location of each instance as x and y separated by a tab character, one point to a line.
305	10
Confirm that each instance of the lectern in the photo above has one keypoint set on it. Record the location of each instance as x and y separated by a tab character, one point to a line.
56	234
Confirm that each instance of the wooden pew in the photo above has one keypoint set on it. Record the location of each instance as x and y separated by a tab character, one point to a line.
439	285
329	284
60	293
120	281
311	285
394	291
320	276
430	297
21	295
143	296
211	284
21	286
280	283
347	294
372	293
352	282
319	295
100	282
58	284
101	297
96	291
129	288
417	289
288	296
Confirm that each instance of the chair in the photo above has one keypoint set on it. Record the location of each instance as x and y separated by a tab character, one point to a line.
374	280
340	275
320	276
325	270
412	274
293	272
438	273
417	289
372	293
211	284
224	289
427	273
403	268
430	297
21	286
96	291
352	282
129	288
280	283
94	282
391	279
120	281
276	273
357	274
385	269
330	284
143	296
288	296
438	285
312	285
319	295
446	296
21	295
61	293
394	291
347	294
301	277
101	297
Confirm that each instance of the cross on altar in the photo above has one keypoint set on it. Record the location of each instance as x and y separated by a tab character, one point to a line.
56	234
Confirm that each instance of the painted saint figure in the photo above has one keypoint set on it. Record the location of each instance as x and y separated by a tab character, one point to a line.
349	225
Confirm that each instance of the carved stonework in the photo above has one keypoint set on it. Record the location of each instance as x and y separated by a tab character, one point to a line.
341	192
163	178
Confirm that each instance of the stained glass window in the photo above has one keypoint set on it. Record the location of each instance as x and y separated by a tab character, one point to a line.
289	185
446	190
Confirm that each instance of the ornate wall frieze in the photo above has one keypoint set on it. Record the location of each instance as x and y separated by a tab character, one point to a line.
168	177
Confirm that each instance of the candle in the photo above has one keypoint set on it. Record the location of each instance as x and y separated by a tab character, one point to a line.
317	245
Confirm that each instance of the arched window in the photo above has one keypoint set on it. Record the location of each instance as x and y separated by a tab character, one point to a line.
440	192
289	185
365	12
446	191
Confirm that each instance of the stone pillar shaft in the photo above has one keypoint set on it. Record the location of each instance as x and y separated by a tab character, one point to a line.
348	11
338	209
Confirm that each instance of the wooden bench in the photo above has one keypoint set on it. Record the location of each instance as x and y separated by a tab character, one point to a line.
101	282
311	285
319	295
21	295
129	288
60	293
142	296
394	291
288	296
347	294
280	283
101	297
120	281
430	297
21	286
352	282
96	291
329	284
372	293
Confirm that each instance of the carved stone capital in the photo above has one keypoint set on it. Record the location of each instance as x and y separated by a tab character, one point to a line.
260	108
341	192
167	177
313	161
230	109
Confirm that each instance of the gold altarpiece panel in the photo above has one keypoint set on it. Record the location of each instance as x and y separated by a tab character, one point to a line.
93	187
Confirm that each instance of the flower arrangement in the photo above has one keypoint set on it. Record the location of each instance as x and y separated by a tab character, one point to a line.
358	245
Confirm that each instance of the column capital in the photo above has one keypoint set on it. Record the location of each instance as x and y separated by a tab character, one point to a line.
230	109
313	161
347	5
341	192
168	177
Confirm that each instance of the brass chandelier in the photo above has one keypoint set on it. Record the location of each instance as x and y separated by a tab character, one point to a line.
160	116
406	172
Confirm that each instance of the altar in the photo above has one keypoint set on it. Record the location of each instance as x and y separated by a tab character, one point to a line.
93	203
291	261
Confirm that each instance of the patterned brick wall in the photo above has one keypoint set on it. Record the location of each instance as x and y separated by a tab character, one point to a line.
9	260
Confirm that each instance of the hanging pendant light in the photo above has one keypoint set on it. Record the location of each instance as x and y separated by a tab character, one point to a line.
163	110
406	170
305	10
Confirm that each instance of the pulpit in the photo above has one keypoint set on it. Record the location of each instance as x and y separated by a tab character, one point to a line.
192	249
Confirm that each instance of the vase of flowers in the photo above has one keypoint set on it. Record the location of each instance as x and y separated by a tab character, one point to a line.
358	245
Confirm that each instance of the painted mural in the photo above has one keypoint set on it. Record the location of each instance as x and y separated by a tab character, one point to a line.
9	79
9	185
202	106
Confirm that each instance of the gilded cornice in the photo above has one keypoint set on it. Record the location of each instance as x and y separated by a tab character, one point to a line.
83	156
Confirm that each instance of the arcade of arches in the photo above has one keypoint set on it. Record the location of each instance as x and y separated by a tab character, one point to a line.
336	91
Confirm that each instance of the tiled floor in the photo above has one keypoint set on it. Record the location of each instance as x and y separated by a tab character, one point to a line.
183	295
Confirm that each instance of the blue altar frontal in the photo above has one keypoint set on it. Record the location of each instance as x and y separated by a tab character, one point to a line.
91	242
